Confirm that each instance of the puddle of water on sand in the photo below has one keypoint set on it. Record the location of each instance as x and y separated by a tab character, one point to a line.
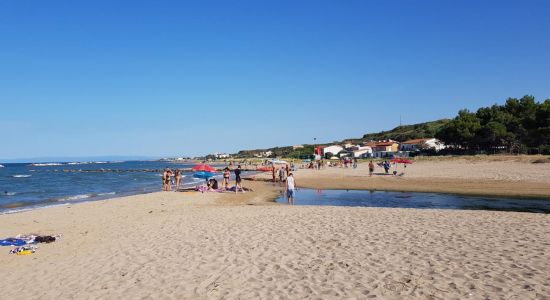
415	200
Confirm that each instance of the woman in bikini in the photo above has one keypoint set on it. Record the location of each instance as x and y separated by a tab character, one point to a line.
166	179
226	175
178	178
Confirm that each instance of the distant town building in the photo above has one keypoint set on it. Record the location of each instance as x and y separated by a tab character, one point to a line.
419	144
349	146
334	149
264	154
383	148
297	147
362	152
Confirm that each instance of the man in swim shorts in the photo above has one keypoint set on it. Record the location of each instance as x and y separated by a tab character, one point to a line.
238	179
371	168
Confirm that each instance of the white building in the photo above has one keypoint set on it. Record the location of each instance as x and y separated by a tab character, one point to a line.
362	152
419	144
334	149
264	154
349	146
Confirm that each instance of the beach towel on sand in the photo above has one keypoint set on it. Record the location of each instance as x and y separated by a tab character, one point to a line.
12	242
24	250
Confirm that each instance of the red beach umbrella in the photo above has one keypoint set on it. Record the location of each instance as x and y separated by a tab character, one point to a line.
204	167
401	161
265	169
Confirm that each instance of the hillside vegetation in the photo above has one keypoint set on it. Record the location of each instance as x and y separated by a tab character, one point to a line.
518	126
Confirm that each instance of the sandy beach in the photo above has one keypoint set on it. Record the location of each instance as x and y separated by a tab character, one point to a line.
168	245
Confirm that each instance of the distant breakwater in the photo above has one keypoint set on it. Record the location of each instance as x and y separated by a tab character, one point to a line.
133	170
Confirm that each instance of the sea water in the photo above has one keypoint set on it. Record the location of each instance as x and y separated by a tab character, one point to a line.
415	200
26	185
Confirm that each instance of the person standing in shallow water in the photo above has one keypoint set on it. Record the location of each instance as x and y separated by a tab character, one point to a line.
290	188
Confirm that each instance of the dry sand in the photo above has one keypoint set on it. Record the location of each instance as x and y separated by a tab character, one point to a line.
170	245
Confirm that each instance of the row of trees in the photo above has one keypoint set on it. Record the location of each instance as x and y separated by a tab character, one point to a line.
520	125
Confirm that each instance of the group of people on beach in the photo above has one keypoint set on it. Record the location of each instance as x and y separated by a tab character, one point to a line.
167	179
386	165
279	174
283	175
170	178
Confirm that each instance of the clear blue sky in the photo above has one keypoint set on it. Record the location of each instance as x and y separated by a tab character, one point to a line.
158	78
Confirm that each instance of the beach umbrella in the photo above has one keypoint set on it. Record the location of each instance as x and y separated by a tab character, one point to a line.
204	167
203	174
401	161
265	169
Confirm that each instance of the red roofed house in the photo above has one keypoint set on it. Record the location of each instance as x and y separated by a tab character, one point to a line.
383	148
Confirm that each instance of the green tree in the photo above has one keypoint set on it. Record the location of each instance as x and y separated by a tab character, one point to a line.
461	130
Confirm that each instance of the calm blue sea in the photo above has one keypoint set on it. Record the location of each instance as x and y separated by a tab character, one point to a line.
24	185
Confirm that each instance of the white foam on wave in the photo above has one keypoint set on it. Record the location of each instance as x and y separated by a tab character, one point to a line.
106	194
21	176
18	210
75	197
46	164
87	162
8	194
2	166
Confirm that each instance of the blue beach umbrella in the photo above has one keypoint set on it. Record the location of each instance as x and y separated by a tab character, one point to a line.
203	174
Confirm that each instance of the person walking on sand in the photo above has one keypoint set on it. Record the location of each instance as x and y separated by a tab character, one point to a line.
273	170
178	179
371	168
290	188
238	179
226	175
386	167
281	175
